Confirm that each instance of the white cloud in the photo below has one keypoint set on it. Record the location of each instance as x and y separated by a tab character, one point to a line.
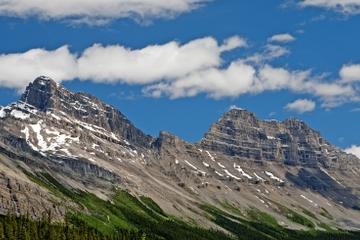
353	150
350	73
345	6
332	94
116	63
301	106
153	63
242	78
232	107
18	69
97	11
270	78
233	42
175	70
233	81
282	38
270	52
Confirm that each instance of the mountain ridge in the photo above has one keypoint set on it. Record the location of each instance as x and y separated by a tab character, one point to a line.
45	94
241	163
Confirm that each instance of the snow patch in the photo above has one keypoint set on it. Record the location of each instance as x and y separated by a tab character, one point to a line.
55	116
206	164
2	112
19	114
309	200
190	165
220	165
46	78
27	139
262	201
98	148
221	175
40	140
211	156
25	107
231	175
67	152
241	171
258	177
52	142
99	130
272	176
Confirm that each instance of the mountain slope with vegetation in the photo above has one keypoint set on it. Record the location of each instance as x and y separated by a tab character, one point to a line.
73	167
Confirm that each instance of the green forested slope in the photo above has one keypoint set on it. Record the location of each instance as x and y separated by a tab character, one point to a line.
127	217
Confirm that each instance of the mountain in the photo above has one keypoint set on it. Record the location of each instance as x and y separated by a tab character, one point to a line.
82	160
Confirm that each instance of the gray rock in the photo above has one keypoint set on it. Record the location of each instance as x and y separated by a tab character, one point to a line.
47	95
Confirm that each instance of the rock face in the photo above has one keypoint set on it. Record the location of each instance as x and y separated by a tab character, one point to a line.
240	133
90	146
46	95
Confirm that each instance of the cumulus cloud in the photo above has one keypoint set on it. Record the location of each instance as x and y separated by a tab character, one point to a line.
301	106
230	82
350	73
282	38
153	63
175	70
345	6
353	150
97	11
115	63
18	69
241	78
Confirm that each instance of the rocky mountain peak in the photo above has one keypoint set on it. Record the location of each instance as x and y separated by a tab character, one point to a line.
297	125
239	133
45	95
45	80
239	116
40	93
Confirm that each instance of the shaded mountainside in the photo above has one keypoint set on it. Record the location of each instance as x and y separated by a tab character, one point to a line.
46	95
82	160
240	133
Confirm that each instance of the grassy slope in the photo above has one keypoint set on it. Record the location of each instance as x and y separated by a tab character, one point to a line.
128	212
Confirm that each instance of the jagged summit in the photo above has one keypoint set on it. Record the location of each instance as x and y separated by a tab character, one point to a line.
243	116
239	133
240	116
40	93
237	117
45	94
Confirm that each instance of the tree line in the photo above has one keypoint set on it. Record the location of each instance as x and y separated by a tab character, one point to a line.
24	228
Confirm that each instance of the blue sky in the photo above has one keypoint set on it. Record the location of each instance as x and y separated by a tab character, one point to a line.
177	65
